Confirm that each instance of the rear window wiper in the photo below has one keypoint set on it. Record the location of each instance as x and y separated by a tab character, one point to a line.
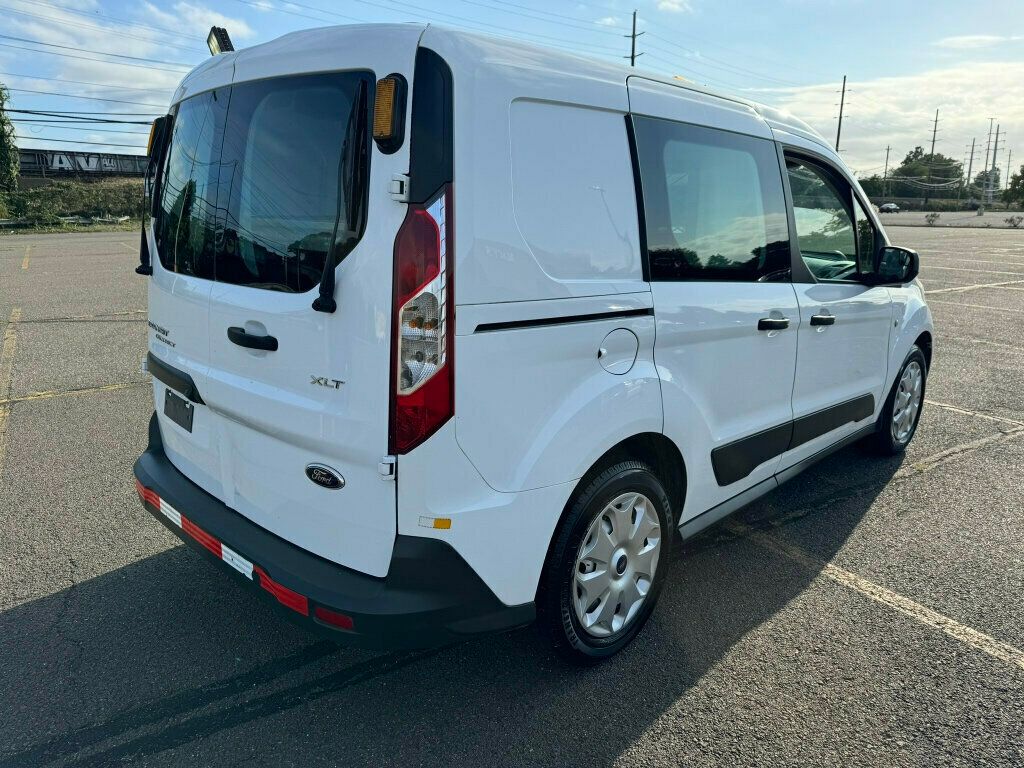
351	169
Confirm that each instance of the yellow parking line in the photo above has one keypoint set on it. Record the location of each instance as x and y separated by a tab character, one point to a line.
975	414
7	377
24	261
49	394
979	641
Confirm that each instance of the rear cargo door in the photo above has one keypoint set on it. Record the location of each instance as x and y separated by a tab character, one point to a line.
294	395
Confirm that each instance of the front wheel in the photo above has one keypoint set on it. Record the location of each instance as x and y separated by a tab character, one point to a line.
902	411
607	564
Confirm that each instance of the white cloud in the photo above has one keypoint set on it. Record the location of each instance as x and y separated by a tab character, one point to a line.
675	6
608	21
898	111
198	18
968	42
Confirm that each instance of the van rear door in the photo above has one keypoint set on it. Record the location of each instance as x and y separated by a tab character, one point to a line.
289	390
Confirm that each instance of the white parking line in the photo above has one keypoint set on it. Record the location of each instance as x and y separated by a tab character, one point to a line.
965	288
965	269
977	306
954	629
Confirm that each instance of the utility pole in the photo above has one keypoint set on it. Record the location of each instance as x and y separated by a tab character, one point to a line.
885	173
842	101
1009	154
632	43
931	158
970	167
990	182
988	148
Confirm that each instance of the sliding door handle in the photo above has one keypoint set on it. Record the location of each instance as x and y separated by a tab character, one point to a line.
251	340
823	319
773	323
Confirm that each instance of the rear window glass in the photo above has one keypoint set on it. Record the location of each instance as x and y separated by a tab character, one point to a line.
261	178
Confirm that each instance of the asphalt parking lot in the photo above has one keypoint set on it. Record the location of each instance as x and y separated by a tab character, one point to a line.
868	613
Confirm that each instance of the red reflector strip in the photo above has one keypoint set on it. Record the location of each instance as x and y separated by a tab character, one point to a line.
335	619
201	536
285	596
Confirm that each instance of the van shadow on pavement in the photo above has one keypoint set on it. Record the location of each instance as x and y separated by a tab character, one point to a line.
167	654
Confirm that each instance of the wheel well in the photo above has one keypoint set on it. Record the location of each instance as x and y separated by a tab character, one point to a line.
651	448
924	341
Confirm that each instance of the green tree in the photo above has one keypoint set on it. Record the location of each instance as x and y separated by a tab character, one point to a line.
872	186
919	168
987	180
1014	192
8	147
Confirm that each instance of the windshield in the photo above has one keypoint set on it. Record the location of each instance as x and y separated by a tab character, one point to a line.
255	183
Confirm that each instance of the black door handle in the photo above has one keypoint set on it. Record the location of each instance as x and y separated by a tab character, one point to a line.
251	340
772	323
823	319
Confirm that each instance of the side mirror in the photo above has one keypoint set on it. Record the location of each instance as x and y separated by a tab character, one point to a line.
896	266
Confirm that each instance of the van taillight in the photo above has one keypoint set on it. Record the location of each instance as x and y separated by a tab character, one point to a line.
423	325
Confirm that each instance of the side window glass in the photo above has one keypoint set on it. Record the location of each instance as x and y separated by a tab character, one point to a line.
867	239
713	204
824	224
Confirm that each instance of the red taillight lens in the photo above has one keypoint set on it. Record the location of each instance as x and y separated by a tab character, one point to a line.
423	326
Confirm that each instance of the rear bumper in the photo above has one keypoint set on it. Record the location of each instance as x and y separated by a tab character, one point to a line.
430	596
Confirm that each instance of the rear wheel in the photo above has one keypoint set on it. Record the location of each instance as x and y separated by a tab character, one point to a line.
902	411
607	564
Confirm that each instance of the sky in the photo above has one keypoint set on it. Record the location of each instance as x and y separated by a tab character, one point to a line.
903	59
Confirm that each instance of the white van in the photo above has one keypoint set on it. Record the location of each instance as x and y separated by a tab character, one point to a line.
568	309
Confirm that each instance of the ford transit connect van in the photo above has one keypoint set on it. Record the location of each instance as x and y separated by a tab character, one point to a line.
450	334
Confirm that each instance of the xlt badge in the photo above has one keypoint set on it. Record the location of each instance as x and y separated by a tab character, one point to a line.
323	381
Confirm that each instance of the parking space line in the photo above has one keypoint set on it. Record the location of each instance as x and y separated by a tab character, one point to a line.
975	414
977	306
965	269
930	462
52	393
7	377
965	288
24	261
914	610
972	340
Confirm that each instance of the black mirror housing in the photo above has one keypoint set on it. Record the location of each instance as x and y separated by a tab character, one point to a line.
895	265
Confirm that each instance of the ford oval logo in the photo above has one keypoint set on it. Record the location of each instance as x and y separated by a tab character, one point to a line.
325	476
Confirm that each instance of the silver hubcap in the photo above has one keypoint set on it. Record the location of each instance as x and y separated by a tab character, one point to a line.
616	563
908	402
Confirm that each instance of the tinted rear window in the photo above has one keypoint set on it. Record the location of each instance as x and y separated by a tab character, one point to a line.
258	173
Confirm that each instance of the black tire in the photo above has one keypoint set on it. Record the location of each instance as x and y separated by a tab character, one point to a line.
883	442
557	617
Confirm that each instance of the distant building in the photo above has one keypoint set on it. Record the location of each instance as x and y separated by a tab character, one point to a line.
46	163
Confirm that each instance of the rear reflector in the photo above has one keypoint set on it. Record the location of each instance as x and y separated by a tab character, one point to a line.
335	619
285	596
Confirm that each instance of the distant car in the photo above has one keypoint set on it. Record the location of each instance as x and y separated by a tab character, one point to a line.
889	208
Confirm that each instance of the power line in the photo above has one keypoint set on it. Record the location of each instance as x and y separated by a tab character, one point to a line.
82	82
88	58
136	24
62	126
73	141
101	53
77	116
86	98
83	25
